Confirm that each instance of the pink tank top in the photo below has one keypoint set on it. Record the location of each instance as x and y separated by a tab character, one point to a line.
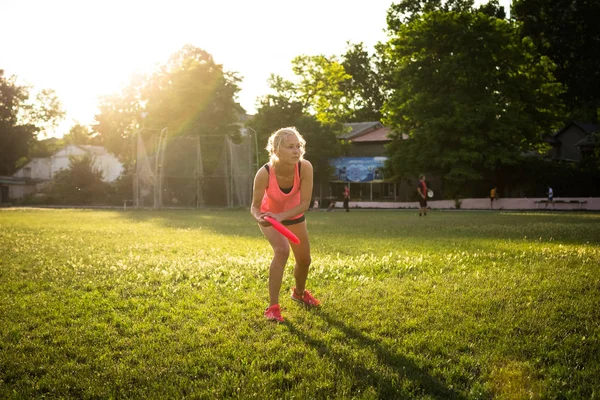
276	201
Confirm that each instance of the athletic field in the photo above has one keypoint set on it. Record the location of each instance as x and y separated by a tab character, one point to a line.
164	305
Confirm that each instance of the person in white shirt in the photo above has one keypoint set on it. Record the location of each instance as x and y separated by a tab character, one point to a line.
550	197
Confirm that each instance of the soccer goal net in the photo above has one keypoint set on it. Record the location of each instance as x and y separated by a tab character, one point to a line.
192	171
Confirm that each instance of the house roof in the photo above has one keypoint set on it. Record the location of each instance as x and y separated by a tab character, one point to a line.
18	180
96	150
588	128
585	127
29	163
92	150
360	128
379	135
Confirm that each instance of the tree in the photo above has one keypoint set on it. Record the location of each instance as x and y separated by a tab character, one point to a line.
406	11
22	117
42	149
471	96
79	134
320	87
566	31
118	120
42	109
365	88
335	90
493	9
81	183
190	95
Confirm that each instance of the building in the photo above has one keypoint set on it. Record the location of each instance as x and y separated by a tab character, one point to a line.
362	167
30	178
573	141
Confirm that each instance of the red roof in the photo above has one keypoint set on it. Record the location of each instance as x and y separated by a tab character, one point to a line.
379	135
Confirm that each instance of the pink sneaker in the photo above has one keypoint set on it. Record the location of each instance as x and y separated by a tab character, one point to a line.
307	298
273	313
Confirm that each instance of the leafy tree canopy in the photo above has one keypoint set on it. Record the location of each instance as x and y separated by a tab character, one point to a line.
406	11
320	86
568	32
23	115
335	89
119	118
190	95
470	94
365	90
79	134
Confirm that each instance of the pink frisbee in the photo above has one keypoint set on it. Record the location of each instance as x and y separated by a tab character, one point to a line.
282	229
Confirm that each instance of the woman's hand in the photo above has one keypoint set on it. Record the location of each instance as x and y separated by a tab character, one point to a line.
261	218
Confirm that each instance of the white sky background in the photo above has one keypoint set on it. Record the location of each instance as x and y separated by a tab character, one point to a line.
84	49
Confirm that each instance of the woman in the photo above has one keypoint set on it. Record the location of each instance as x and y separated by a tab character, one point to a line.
283	190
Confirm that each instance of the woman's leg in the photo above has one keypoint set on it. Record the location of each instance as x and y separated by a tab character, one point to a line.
302	256
281	252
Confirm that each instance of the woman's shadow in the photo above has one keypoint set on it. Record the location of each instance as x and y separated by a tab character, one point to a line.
387	387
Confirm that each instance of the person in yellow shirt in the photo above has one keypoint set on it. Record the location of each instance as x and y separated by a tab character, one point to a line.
492	196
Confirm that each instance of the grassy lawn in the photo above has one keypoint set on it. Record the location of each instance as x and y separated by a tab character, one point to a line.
140	304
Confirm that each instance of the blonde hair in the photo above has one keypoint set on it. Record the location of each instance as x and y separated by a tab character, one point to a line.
276	139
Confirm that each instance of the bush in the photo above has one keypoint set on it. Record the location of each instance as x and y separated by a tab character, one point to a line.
80	184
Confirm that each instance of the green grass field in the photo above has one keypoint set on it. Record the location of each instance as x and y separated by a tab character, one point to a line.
159	305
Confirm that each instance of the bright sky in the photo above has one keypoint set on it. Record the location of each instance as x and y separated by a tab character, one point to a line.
85	49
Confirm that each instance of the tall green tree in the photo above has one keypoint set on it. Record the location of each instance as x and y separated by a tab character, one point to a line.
79	134
471	96
320	87
335	89
365	89
568	32
119	118
23	115
43	148
190	95
406	11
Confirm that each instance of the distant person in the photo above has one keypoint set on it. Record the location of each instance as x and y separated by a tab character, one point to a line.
493	195
282	190
331	203
346	198
422	192
316	203
550	197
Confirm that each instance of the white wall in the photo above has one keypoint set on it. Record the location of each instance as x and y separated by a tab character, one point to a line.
60	159
18	191
110	166
591	203
37	168
46	168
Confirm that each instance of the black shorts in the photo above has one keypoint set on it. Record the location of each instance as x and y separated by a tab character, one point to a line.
422	202
288	222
